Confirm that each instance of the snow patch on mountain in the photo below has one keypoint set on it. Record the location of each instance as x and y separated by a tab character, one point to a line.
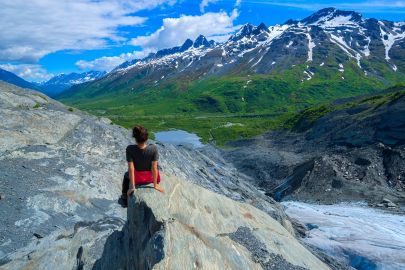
276	31
259	46
389	38
311	46
338	21
346	48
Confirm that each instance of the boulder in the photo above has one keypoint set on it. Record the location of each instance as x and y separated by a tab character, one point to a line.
191	227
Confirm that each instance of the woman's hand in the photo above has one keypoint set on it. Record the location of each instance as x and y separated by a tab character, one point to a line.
159	188
130	191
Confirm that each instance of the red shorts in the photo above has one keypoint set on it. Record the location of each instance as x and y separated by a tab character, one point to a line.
145	177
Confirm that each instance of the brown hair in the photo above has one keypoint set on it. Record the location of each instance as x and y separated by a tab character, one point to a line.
140	134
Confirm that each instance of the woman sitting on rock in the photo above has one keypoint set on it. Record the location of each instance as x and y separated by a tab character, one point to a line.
142	161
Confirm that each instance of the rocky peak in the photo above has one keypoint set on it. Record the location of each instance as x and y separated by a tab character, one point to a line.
328	15
260	29
249	30
244	31
186	45
201	41
323	13
355	17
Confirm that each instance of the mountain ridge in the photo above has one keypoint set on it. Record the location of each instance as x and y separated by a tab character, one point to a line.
62	82
259	70
12	78
324	18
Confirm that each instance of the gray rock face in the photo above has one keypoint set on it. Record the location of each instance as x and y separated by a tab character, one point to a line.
61	173
59	169
191	227
350	154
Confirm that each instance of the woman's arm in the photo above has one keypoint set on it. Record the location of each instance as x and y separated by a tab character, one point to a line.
131	171
155	176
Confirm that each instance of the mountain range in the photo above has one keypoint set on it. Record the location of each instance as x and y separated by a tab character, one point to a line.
62	82
330	54
53	86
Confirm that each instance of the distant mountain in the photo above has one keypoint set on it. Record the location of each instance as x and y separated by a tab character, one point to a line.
14	79
259	69
61	82
200	42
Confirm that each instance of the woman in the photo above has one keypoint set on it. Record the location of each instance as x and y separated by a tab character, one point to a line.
142	161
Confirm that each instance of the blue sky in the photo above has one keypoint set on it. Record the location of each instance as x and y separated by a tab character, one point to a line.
42	38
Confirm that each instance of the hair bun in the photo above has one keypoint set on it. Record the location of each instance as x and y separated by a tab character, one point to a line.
140	134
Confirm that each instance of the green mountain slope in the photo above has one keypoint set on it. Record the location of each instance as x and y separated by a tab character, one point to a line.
252	82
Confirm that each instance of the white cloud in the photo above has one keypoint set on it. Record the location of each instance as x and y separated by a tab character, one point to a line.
175	31
31	29
30	72
107	63
205	3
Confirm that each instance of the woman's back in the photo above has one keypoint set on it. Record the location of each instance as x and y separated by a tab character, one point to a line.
142	157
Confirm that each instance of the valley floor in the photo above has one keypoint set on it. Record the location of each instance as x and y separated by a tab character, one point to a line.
365	238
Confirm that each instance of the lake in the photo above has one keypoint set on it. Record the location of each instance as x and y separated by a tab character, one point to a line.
178	137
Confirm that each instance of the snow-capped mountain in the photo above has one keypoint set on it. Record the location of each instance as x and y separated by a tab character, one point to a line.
329	34
331	49
200	42
62	81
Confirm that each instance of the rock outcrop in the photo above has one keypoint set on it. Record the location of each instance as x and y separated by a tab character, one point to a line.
190	227
60	176
60	179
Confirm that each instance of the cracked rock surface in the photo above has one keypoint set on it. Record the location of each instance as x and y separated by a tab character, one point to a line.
205	230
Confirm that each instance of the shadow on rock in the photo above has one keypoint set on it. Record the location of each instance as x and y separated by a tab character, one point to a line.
140	243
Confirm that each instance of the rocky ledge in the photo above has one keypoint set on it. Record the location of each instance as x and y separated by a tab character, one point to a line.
189	227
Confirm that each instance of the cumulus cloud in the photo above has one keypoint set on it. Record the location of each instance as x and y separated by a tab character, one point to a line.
175	31
30	72
107	63
205	3
31	29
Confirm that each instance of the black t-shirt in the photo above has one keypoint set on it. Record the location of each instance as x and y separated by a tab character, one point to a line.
142	158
